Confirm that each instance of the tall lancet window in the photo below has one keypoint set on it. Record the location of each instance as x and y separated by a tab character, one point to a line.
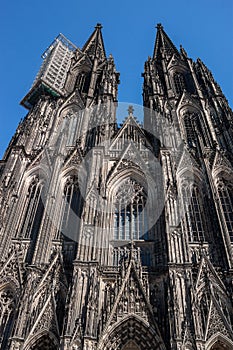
33	212
226	199
189	130
71	212
131	221
72	126
179	82
193	222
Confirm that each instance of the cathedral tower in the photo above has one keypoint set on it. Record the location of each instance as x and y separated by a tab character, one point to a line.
118	237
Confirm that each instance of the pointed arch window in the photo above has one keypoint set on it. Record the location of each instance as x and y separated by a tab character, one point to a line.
34	210
131	221
71	213
72	126
189	130
43	343
193	217
225	193
179	82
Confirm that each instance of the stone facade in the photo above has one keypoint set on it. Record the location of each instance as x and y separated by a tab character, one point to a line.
118	237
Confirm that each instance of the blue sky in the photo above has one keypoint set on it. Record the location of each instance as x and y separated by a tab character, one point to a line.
203	27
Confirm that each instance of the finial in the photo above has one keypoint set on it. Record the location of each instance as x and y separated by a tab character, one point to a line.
182	50
130	110
159	26
98	26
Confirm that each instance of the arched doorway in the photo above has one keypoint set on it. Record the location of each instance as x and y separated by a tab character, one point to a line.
219	346
219	342
44	343
132	333
44	340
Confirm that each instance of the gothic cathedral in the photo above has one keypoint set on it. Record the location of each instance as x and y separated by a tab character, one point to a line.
118	236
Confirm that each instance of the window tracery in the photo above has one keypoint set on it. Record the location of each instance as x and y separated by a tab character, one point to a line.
189	130
34	210
72	127
71	212
31	219
226	199
179	82
193	220
131	221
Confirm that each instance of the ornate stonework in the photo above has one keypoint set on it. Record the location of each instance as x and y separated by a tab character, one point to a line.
118	237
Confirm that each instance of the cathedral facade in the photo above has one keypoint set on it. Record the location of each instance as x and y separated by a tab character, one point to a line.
118	237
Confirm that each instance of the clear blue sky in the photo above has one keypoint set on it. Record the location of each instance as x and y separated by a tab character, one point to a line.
203	27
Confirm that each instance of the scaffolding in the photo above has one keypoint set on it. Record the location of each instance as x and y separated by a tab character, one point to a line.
53	72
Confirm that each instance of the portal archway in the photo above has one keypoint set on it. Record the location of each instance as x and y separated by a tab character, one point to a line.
219	342
132	333
44	340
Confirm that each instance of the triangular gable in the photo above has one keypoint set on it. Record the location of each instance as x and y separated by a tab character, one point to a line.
82	62
56	264
221	163
128	300
176	61
187	100
47	318
11	269
73	159
188	163
206	267
130	157
129	122
74	100
217	322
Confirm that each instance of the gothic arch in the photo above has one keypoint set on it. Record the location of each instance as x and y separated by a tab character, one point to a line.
193	212
219	342
72	108
68	212
69	106
128	208
40	170
179	81
31	211
225	195
131	329
187	105
222	173
132	171
152	189
43	340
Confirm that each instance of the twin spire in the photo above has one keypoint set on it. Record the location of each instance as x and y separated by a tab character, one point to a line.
94	46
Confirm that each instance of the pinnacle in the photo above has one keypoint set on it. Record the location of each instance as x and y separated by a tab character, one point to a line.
98	26
159	26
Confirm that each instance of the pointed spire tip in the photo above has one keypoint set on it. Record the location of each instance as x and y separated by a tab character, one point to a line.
98	26
159	26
